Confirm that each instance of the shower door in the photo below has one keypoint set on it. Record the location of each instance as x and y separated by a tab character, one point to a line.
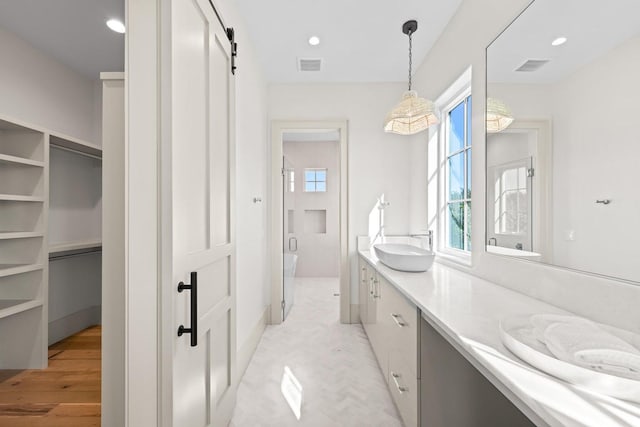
289	239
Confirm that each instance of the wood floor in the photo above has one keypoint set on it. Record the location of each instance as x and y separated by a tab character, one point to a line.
66	394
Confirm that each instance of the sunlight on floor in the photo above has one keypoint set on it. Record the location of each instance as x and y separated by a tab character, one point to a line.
292	391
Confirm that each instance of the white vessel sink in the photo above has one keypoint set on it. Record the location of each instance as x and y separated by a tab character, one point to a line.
514	252
404	257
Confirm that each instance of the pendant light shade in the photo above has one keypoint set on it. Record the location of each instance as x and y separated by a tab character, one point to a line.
412	114
498	116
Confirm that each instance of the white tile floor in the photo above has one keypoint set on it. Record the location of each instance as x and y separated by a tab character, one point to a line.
342	383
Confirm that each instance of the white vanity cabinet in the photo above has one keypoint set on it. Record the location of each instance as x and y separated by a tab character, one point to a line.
392	325
371	319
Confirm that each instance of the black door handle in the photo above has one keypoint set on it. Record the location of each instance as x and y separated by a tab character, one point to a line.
193	330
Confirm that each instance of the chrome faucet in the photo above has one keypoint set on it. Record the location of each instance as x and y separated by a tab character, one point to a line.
429	236
495	241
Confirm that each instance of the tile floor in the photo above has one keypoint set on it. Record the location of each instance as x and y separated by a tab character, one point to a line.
334	363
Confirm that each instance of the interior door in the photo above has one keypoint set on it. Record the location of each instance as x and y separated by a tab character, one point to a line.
289	236
203	232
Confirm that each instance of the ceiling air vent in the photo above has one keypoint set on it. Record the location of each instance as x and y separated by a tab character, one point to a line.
309	64
532	65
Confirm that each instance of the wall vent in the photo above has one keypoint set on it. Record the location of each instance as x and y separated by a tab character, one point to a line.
532	65
309	64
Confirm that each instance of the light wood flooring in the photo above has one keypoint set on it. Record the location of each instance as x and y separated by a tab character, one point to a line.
66	394
342	384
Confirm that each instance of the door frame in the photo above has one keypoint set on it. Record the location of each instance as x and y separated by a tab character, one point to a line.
278	127
542	200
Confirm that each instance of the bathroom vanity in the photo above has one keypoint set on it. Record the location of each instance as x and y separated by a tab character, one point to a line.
436	338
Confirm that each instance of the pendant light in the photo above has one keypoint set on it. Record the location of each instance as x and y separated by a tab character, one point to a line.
412	114
498	116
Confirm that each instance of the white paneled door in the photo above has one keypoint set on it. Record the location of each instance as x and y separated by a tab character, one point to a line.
203	241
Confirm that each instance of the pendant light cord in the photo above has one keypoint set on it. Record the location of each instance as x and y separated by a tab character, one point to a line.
410	61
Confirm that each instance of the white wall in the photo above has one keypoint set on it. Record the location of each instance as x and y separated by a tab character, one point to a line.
318	253
596	151
252	276
463	44
37	89
378	162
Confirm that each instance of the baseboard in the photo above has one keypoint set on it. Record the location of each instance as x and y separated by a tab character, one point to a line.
245	353
355	313
62	328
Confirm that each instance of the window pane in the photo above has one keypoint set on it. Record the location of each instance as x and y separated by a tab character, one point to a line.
321	175
321	186
456	176
309	175
469	162
456	225
456	128
468	141
467	219
310	186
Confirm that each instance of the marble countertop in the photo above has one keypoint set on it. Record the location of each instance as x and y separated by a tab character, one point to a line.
467	310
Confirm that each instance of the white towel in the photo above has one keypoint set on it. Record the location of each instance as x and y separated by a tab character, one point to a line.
587	345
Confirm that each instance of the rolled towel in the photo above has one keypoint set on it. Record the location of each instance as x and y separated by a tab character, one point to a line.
541	322
587	345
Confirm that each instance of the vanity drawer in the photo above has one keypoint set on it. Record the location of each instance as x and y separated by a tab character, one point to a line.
403	385
403	319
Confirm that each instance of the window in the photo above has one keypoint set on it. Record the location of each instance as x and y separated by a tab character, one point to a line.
292	180
315	180
457	134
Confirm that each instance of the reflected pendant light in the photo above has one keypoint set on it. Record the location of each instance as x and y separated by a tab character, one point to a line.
498	116
412	114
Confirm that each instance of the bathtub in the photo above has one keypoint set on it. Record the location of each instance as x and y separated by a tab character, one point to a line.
289	272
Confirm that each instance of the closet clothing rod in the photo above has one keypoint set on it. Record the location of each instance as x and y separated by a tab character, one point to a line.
60	147
89	252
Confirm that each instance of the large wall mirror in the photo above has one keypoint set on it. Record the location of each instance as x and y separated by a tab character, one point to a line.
563	137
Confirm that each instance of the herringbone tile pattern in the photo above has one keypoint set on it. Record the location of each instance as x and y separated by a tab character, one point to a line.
342	384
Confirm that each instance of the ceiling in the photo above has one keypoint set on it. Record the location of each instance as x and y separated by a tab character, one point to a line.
360	40
71	31
592	28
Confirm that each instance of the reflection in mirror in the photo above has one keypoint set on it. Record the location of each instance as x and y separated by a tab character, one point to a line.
562	177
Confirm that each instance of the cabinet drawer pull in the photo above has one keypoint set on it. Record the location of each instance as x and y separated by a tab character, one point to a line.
398	386
396	318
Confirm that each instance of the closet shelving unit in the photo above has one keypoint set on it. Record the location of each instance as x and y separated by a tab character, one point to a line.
24	239
24	180
83	148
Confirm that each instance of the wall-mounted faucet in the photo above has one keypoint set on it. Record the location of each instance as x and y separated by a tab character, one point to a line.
382	205
429	236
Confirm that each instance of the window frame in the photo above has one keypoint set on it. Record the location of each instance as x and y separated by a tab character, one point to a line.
457	92
315	181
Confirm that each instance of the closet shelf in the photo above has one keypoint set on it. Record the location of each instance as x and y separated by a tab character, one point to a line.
9	307
75	144
13	269
6	235
5	158
17	198
59	248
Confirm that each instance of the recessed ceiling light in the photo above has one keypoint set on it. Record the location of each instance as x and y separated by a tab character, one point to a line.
559	41
116	25
314	40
